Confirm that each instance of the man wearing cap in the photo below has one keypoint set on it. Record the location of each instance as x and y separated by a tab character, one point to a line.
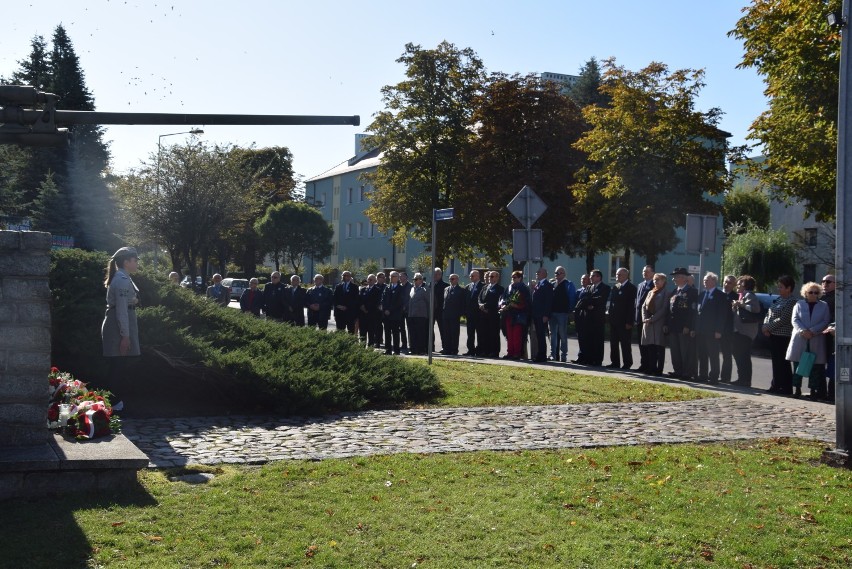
683	310
218	293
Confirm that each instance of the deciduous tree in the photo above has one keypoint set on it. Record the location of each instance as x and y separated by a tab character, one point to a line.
293	231
791	44
424	128
653	157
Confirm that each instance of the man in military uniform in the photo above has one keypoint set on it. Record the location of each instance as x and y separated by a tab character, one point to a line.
273	298
683	311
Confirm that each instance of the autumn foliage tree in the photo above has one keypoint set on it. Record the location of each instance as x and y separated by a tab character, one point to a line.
525	132
792	45
653	158
424	128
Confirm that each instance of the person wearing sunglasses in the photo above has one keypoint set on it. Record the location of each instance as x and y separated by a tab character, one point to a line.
810	318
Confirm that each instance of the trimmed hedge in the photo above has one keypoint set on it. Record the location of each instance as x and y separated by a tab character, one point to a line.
298	370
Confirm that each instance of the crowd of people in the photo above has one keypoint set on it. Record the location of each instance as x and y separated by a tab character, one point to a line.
706	332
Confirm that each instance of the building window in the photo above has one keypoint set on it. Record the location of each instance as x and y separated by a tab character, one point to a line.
401	248
324	200
809	273
616	261
335	214
334	248
349	231
383	262
811	237
360	230
372	230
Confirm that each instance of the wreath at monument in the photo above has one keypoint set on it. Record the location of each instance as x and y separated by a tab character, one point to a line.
76	411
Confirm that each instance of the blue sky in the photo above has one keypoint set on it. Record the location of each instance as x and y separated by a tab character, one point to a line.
330	57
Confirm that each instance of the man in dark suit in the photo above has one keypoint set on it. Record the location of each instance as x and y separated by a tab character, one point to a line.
319	303
622	315
273	298
712	315
681	325
581	320
455	304
406	296
542	303
595	307
489	298
439	285
646	365
346	303
297	300
474	321
368	309
217	292
392	305
729	289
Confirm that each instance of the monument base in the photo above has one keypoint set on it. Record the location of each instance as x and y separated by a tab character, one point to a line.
60	466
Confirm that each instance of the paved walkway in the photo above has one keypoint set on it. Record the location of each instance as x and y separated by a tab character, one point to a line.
737	415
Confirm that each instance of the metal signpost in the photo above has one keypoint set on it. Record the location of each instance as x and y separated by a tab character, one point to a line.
701	239
843	260
437	215
527	207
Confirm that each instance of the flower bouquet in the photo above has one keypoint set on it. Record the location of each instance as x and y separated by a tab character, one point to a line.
510	301
76	411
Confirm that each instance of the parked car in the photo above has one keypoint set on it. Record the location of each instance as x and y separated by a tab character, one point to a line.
237	287
187	283
761	342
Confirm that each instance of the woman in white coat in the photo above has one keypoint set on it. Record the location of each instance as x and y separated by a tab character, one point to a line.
810	317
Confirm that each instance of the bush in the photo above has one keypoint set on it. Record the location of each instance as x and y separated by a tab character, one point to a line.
296	370
765	254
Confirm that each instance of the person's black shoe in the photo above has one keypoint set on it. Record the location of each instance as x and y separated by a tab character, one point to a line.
626	368
469	354
673	375
773	390
797	392
741	383
612	366
540	361
578	362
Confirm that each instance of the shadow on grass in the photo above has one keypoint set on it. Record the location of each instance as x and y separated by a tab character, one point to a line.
43	532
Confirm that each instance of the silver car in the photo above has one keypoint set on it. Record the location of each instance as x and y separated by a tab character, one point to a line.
237	287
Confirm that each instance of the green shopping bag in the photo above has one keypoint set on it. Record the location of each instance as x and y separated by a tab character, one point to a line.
806	362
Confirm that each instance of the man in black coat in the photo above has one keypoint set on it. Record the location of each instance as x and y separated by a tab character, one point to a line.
622	316
439	285
297	299
646	363
594	305
489	297
580	320
475	318
369	299
455	304
406	296
274	304
683	305
712	315
729	291
319	304
392	310
346	303
542	304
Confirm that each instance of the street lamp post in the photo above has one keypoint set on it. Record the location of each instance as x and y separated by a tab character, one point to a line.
159	150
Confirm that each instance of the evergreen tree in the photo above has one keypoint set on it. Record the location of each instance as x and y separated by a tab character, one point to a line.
49	210
586	91
75	171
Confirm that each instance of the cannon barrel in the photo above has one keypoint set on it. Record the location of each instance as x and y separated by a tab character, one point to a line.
27	116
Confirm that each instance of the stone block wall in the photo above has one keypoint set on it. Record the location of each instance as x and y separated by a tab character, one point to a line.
24	337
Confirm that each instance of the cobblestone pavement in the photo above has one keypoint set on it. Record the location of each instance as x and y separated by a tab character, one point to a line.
258	440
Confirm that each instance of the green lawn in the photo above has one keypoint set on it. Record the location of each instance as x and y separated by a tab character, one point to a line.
469	384
764	504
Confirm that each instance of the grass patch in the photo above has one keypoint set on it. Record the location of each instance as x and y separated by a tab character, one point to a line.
469	384
763	504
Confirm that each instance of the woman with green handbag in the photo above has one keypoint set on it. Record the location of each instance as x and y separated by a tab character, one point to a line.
807	346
